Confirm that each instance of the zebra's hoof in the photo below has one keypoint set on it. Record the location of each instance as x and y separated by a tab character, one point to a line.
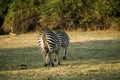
55	60
45	65
64	58
52	64
59	63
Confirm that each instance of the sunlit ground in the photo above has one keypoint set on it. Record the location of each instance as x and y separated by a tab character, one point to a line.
91	56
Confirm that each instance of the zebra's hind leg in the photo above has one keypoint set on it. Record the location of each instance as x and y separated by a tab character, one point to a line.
45	58
51	61
48	60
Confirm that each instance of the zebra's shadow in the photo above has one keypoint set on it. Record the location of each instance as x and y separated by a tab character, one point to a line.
90	52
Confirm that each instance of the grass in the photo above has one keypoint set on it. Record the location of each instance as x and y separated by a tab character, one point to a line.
91	56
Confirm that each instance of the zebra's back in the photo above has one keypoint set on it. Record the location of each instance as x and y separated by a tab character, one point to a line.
63	38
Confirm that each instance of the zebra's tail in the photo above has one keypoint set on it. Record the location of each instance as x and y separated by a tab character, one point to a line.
45	41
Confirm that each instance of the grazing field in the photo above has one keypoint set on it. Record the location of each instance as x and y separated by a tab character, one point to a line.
91	56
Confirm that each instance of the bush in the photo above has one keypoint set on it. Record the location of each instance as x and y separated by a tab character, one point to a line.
59	14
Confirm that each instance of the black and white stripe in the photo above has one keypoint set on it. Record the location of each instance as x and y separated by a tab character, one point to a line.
63	41
48	43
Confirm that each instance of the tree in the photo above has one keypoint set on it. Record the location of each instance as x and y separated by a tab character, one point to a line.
59	14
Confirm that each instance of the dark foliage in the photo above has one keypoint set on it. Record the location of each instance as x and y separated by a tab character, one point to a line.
20	16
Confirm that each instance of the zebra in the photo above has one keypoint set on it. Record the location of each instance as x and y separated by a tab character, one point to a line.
48	44
63	41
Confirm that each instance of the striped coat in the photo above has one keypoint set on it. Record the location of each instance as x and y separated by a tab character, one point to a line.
48	44
63	41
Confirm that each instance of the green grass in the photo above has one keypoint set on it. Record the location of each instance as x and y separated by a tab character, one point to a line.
91	56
